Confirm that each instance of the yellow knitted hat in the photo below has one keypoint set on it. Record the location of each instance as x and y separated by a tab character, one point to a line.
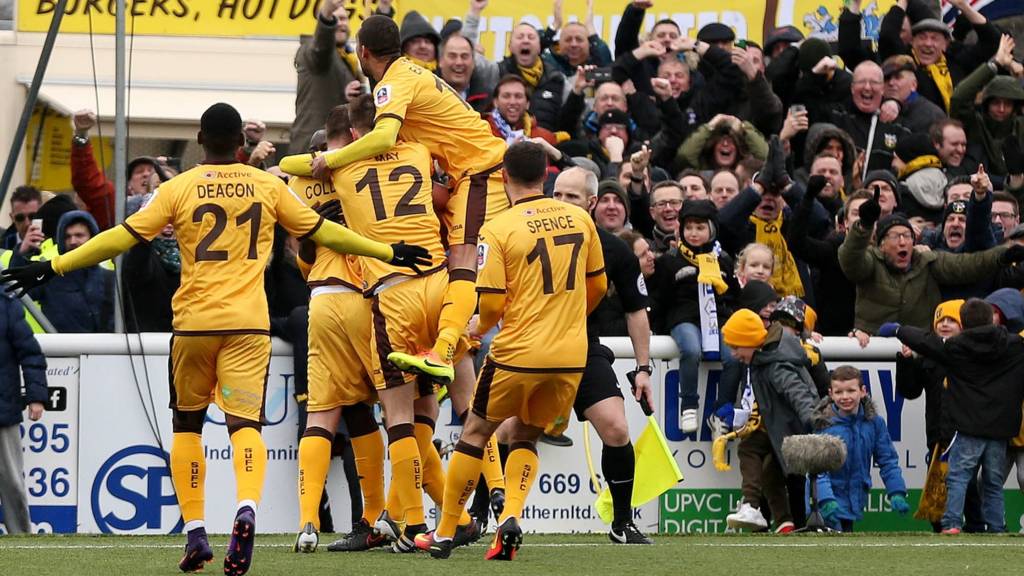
744	329
949	308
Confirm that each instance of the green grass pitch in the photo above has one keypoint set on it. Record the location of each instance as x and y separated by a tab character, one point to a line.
731	555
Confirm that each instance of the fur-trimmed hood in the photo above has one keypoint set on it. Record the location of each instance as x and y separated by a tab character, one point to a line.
826	414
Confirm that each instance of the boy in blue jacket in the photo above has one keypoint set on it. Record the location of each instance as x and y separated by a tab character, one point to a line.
843	494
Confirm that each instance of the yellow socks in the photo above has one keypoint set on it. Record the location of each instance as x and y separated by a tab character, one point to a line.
433	474
463	474
520	472
369	453
250	460
314	462
459	304
493	473
406	472
188	472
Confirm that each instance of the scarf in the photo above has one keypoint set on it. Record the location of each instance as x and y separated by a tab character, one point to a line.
785	276
709	283
532	74
939	73
352	61
431	65
166	249
920	163
510	134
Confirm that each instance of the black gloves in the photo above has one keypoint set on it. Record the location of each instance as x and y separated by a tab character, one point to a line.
773	176
870	210
410	255
330	210
815	184
24	278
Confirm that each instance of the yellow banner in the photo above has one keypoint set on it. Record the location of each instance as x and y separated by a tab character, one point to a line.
821	19
241	18
48	163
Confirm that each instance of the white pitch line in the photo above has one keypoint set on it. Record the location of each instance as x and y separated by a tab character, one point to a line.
821	544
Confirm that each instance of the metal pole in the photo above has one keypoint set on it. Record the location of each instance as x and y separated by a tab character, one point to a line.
30	100
120	149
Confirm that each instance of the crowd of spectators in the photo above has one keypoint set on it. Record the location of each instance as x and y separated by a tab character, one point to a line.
870	181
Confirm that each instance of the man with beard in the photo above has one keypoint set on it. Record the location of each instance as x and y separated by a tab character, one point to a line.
895	282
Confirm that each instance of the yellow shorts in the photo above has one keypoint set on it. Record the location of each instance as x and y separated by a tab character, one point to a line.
339	351
475	199
229	369
405	319
536	398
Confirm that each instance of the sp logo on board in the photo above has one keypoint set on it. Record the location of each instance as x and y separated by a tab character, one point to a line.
132	491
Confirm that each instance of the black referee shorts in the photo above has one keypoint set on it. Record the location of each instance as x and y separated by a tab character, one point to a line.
599	381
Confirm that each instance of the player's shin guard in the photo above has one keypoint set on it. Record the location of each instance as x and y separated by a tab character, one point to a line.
463	474
459	304
250	460
618	464
520	472
406	471
314	462
433	473
369	452
188	472
493	473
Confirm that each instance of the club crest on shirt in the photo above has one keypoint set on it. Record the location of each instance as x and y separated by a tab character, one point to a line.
890	141
481	255
641	285
382	95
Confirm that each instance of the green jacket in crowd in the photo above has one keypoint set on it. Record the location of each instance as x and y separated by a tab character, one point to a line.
908	297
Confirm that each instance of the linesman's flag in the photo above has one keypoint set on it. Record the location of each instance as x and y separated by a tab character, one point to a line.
656	468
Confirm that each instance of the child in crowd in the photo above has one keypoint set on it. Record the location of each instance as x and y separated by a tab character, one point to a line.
688	303
755	262
985	374
916	375
784	394
843	494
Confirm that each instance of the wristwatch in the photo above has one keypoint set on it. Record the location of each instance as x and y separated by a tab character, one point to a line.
78	140
644	368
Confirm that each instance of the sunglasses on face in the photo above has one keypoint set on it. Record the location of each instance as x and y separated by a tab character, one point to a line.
19	218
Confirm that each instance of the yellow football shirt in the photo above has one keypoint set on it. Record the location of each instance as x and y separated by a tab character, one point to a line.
539	253
434	115
330	267
223	216
388	198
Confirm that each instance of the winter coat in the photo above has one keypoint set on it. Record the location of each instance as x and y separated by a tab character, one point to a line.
676	301
322	78
918	114
961	58
18	347
908	297
835	311
695	151
985	367
148	290
985	135
917	375
92	186
783	388
814	141
80	301
546	96
867	438
857	124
